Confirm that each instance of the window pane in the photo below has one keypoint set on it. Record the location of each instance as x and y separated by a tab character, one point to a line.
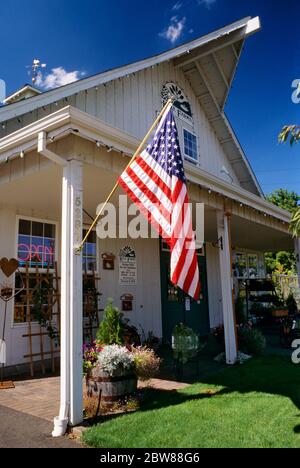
24	227
49	230
241	266
190	145
89	253
37	229
253	266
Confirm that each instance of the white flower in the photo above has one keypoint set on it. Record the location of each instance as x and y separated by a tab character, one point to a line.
115	357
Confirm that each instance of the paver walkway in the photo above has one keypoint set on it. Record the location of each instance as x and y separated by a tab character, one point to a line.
40	397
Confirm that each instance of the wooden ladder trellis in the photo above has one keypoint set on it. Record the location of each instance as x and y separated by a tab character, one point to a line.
51	309
49	324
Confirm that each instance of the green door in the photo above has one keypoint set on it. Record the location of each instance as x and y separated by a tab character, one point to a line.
177	307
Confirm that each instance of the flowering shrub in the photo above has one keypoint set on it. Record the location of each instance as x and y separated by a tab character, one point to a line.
252	341
90	357
114	358
146	363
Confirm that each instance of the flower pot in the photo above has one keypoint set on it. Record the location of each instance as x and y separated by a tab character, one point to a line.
112	388
188	343
280	313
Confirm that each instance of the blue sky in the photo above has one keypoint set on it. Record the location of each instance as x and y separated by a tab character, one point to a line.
82	38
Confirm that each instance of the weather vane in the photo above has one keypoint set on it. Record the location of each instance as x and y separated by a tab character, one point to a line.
36	70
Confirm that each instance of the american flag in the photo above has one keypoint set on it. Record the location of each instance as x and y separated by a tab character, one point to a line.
156	182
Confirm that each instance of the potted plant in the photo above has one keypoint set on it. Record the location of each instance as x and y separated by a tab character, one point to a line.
113	375
146	363
185	343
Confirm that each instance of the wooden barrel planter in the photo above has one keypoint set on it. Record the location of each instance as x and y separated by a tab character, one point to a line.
112	388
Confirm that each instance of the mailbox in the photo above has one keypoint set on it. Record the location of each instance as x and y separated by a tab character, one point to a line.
108	261
127	300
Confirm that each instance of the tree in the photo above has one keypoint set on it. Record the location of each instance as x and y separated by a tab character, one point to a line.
285	199
292	133
283	263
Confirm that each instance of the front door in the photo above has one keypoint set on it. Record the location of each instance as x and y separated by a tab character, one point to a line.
177	307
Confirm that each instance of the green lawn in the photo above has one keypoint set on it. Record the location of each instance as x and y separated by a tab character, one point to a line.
256	405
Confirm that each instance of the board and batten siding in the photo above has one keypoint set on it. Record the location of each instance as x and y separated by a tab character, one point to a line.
146	314
131	103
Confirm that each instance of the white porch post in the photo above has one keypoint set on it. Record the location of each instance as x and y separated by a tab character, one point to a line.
225	249
71	300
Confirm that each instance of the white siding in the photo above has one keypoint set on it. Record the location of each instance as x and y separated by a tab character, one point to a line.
146	312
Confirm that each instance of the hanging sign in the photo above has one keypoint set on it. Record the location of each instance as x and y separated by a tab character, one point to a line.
127	267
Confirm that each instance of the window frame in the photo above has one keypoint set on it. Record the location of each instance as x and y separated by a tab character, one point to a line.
187	157
86	227
31	270
42	221
247	254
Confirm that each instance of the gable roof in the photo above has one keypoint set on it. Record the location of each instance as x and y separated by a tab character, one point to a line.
208	62
26	92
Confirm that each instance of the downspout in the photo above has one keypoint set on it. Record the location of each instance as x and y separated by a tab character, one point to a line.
61	421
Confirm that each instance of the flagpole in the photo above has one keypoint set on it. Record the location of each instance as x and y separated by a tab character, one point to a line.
137	153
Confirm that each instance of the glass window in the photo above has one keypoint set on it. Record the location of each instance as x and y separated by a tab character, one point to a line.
253	265
36	244
190	145
241	266
89	253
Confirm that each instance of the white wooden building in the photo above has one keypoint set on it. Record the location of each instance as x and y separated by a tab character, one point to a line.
75	140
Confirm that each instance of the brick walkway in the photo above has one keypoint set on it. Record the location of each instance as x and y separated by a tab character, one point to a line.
40	397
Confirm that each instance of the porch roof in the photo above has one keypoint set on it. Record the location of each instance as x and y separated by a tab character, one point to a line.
73	121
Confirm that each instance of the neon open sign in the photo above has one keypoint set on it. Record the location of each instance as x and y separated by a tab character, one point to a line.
36	254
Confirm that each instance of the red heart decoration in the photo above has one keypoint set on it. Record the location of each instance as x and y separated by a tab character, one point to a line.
9	267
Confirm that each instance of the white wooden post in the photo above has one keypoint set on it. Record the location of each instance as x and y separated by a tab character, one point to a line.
71	409
225	257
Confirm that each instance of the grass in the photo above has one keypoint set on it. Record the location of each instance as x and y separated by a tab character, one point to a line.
256	405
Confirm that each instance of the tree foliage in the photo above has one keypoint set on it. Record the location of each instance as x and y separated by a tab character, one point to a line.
291	133
285	199
283	263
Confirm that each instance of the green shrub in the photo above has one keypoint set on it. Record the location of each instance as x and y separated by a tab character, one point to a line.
241	317
291	304
111	328
252	341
